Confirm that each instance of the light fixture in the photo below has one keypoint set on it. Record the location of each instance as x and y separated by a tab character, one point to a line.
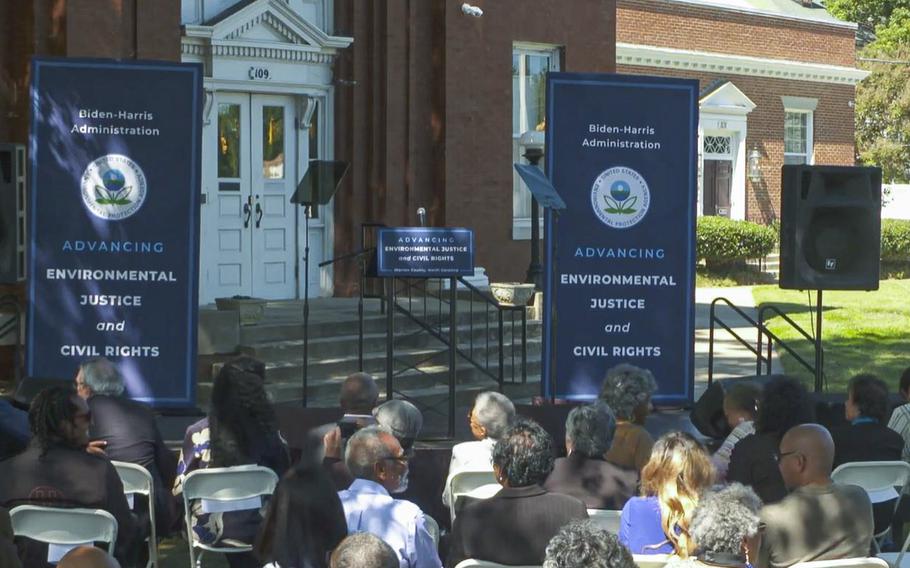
755	173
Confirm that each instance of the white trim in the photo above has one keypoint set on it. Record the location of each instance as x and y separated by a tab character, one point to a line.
796	104
764	13
702	61
521	228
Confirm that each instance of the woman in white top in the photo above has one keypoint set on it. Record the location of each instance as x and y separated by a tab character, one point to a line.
740	409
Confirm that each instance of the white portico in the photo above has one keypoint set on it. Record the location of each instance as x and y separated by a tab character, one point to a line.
268	111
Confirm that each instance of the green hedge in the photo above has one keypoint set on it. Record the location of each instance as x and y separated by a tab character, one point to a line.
895	241
723	242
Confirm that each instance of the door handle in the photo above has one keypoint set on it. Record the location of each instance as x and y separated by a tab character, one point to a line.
247	212
258	214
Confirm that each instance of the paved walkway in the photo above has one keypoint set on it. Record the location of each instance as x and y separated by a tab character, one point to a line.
731	358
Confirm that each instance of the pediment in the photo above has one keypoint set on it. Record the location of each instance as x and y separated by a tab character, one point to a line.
273	21
727	97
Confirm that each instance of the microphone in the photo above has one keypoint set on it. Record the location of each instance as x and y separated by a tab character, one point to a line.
422	216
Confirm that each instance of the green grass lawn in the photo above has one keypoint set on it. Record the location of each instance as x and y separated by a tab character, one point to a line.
862	332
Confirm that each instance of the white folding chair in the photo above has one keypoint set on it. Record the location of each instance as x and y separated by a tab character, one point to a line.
471	483
882	481
472	563
860	562
64	529
227	489
650	560
138	481
606	519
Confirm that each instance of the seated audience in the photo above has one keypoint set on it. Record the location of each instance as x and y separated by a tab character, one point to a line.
358	397
627	391
582	544
9	557
87	557
14	434
363	550
489	418
304	523
818	520
56	471
240	429
785	403
515	525
659	521
128	432
740	408
900	418
725	529
866	437
400	417
585	473
380	468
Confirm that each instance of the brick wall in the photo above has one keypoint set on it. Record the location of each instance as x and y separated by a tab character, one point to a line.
832	132
684	26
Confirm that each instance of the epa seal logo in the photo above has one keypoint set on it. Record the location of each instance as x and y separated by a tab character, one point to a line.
113	187
620	197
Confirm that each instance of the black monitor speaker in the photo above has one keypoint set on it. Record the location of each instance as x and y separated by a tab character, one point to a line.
830	227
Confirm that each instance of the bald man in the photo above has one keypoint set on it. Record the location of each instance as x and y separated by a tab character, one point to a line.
87	557
818	520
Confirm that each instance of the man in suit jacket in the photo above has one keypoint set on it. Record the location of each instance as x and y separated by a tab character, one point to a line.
585	474
128	432
515	525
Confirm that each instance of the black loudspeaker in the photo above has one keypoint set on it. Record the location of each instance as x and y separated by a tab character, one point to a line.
830	227
12	213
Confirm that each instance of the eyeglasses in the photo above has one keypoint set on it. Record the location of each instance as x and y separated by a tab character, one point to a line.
780	456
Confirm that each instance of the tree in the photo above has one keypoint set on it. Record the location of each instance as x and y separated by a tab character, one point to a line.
883	98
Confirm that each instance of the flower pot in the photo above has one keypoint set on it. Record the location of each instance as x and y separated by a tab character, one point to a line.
512	293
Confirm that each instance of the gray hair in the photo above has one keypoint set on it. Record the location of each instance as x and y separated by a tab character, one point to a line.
102	377
363	550
582	544
495	412
402	418
590	428
365	449
626	388
724	517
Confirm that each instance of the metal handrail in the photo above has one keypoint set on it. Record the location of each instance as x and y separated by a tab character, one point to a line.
755	350
774	338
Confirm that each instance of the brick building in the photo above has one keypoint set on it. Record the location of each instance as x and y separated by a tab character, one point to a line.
777	77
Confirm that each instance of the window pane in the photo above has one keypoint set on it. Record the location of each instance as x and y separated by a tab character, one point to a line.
273	142
228	140
795	159
795	131
536	89
516	106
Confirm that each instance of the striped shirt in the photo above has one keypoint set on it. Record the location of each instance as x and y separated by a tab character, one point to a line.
721	457
900	423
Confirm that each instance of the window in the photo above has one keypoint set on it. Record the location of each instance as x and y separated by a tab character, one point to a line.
717	145
530	64
798	118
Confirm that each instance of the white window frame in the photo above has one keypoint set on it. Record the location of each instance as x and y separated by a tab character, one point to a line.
521	197
806	106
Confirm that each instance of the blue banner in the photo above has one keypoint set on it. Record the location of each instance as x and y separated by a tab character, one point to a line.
114	222
621	151
421	252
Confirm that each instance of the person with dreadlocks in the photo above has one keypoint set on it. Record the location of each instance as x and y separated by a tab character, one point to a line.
240	429
56	470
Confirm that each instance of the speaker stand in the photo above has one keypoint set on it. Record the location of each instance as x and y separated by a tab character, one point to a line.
819	355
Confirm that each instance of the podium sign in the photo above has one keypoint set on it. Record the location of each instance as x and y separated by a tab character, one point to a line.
423	252
114	222
621	151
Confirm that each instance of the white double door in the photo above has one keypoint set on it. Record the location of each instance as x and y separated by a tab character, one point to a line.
253	249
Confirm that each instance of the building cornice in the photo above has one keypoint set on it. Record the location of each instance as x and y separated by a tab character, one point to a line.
727	64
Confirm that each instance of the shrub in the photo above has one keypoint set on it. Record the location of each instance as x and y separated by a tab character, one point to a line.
723	242
895	241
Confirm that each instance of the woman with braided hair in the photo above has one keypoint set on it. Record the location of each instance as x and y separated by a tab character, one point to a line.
57	471
240	429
